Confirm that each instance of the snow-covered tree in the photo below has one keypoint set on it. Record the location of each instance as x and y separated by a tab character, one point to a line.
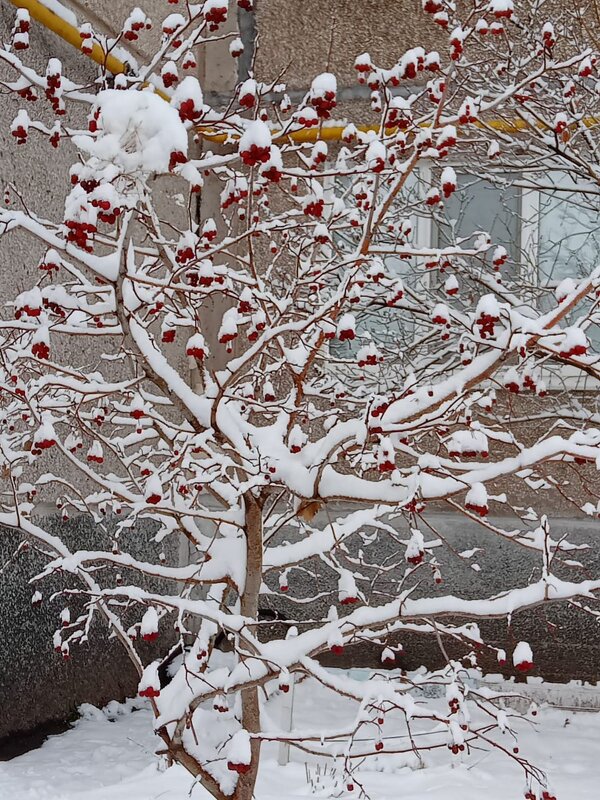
291	380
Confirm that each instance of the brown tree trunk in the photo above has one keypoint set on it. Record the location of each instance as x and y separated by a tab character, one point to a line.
249	608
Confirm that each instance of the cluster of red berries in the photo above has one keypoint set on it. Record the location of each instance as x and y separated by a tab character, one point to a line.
371	360
134	27
272	174
149	691
220	705
324	104
226	338
415	506
215	15
203	278
28	93
454	705
234	196
21	31
524	666
20	133
575	350
176	157
398	118
314	208
486	323
188	111
196	352
255	154
79	233
185	254
106	213
529	383
348	601
53	84
587	67
241	769
169	75
248	98
42	444
482	510
30	311
40	350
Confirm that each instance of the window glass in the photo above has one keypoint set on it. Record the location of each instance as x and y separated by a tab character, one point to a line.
569	232
390	328
479	205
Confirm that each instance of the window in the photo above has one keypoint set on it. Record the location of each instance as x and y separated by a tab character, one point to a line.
568	231
479	205
565	237
388	327
548	224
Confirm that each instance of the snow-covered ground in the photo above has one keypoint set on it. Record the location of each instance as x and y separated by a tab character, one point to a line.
109	755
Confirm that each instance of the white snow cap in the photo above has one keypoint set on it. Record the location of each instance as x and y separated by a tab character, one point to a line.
347	323
488	305
149	685
477	496
149	624
347	587
256	133
387	655
564	288
501	7
451	285
229	323
574	339
238	748
153	487
448	175
323	83
415	547
522	654
189	89
138	131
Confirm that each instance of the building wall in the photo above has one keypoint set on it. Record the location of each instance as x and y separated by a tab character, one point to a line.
329	36
37	687
299	39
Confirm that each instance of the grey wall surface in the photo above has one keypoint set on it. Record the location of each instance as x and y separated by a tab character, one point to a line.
37	685
565	641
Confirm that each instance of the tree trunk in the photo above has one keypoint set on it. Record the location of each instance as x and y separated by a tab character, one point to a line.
249	608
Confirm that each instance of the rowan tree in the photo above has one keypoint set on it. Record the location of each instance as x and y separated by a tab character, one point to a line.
292	380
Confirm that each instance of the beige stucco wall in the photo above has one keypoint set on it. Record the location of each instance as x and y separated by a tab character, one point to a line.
297	36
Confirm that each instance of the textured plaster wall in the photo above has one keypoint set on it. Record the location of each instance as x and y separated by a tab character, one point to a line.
305	38
37	685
